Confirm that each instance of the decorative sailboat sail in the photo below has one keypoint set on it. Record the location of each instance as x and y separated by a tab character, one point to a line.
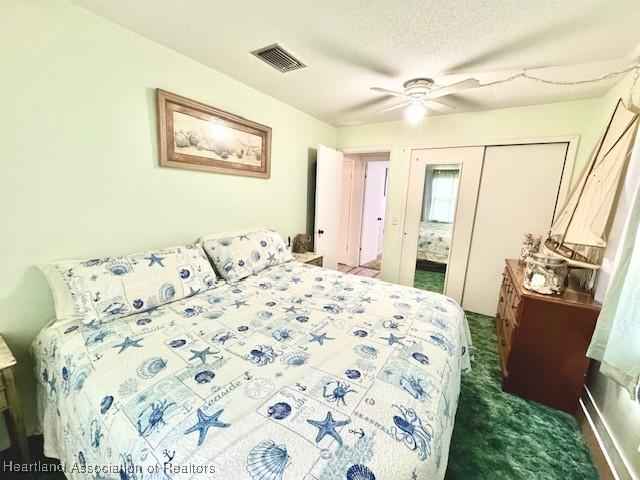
580	229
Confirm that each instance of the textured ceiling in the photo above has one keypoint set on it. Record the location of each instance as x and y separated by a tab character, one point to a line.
352	45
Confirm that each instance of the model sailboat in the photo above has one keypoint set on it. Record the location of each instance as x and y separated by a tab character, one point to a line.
580	230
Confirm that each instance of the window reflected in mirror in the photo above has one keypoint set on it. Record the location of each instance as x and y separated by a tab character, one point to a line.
436	226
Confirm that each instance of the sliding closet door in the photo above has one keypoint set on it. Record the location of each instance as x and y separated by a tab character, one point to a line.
518	192
469	162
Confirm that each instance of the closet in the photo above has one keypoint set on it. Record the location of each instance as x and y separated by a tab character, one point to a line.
503	192
468	160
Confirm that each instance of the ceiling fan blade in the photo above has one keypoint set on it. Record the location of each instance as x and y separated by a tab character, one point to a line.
369	103
502	56
334	48
400	105
454	88
389	92
438	106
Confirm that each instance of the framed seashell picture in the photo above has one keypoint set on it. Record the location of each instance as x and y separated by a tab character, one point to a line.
196	136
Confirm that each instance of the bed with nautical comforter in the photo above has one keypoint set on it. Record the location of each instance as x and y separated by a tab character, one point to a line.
434	242
294	373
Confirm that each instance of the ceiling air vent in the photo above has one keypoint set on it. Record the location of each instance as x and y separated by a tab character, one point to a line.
278	58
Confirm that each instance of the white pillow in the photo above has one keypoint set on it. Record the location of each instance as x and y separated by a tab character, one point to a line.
63	301
113	287
237	255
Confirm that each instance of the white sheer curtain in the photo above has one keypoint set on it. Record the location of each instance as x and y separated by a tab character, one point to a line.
444	187
616	340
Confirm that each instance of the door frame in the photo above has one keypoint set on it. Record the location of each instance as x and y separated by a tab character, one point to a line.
563	191
361	157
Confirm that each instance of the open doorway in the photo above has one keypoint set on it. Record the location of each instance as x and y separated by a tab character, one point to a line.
363	211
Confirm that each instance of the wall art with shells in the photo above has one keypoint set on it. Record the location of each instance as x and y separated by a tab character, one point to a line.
196	136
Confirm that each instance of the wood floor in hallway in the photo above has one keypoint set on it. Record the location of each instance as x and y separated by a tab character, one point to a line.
360	271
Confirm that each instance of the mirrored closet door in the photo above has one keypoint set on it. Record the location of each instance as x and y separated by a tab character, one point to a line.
468	209
443	188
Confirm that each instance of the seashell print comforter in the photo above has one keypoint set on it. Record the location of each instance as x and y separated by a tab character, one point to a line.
295	373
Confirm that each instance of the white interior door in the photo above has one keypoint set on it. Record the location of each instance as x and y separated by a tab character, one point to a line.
383	209
328	205
520	185
373	211
469	160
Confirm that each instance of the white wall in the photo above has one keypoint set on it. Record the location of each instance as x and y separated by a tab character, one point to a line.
79	171
550	120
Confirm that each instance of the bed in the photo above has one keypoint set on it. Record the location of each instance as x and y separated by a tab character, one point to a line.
434	242
294	373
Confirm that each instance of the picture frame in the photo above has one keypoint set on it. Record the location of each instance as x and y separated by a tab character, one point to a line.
196	136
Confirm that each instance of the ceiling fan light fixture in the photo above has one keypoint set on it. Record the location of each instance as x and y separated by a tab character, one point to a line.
419	94
415	112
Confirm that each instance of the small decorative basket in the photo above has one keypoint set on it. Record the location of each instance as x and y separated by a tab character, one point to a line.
545	274
301	243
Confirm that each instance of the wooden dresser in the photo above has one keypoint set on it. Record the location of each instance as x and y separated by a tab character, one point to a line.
543	340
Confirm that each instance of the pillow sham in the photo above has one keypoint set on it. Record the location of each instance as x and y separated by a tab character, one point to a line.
240	254
108	288
63	301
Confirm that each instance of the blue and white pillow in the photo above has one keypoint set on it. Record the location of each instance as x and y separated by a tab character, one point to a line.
240	254
101	289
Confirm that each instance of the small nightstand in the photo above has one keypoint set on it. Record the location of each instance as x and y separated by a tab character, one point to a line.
9	403
311	258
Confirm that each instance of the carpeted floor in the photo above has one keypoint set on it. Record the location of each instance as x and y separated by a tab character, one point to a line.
429	280
500	436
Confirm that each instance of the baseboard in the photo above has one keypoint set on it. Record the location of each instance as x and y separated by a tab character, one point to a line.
607	458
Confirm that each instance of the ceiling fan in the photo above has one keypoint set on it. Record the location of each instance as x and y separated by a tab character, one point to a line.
419	96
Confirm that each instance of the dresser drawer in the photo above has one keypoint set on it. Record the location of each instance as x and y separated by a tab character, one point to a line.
501	298
503	346
509	330
515	303
504	291
509	300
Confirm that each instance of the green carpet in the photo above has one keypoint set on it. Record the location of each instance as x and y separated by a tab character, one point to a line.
500	436
429	280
